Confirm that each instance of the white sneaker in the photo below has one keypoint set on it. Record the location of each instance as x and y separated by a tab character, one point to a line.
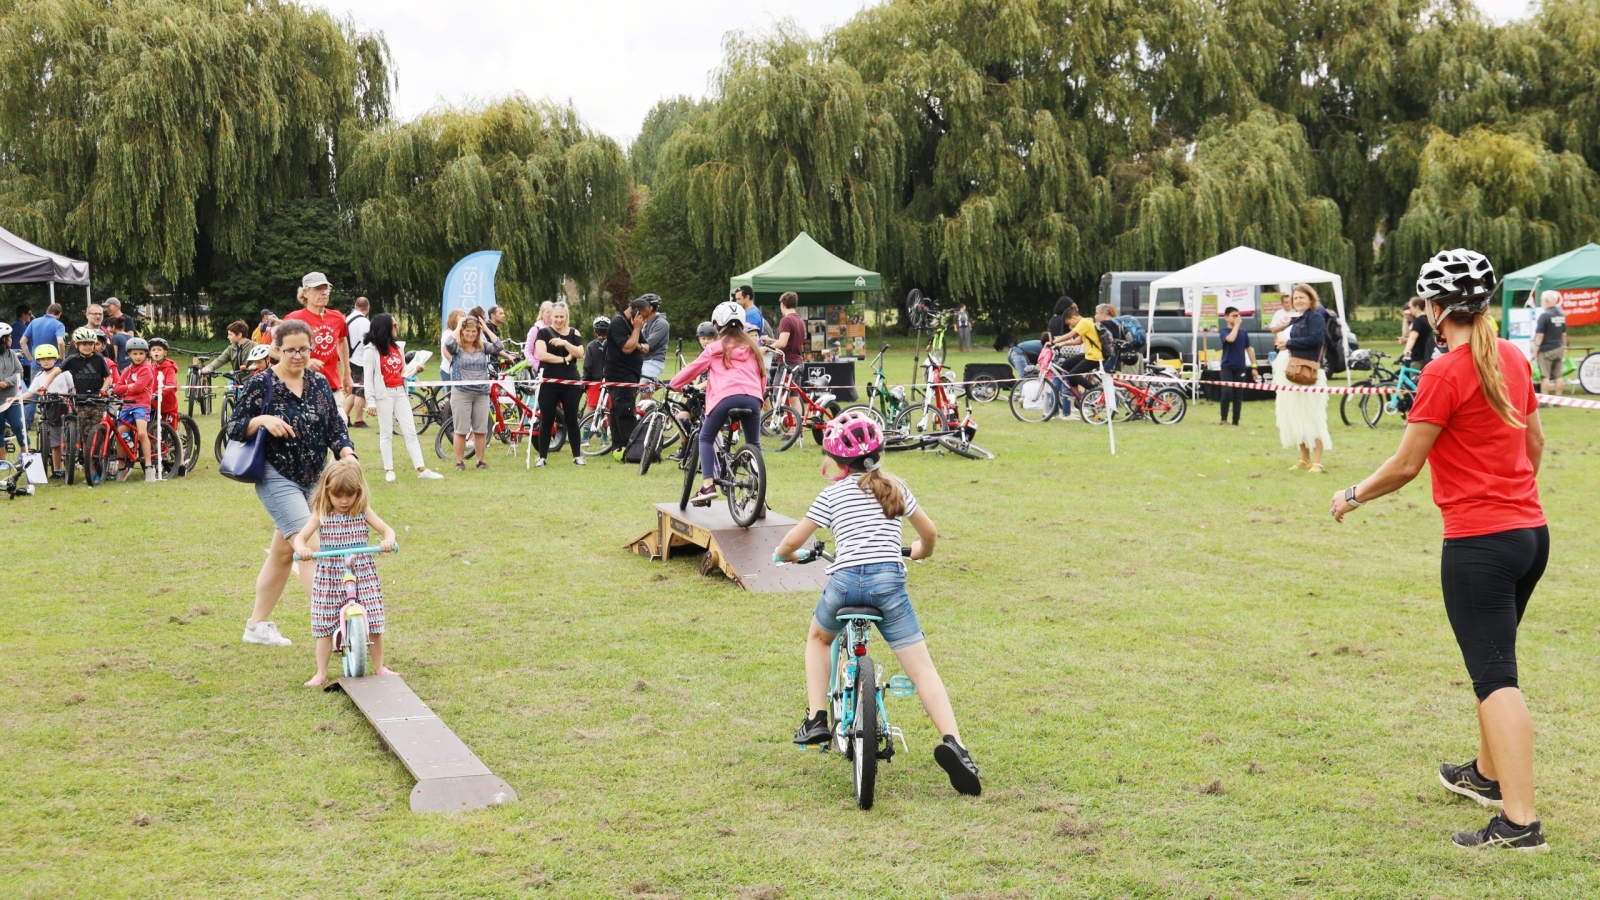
389	475
538	463
149	475
578	461
429	475
265	633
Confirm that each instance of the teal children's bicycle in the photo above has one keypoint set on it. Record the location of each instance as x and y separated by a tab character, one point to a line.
351	637
861	729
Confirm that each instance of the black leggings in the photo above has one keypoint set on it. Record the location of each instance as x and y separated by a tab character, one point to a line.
747	409
1083	366
568	397
1487	582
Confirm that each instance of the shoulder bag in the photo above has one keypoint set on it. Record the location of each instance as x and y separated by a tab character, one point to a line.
247	460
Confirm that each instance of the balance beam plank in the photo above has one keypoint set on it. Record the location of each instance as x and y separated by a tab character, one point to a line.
450	777
744	554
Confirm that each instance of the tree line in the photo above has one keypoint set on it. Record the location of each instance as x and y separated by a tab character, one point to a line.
998	152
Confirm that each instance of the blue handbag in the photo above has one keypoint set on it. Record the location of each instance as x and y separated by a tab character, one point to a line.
247	460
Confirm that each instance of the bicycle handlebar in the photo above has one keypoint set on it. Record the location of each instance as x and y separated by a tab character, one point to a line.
347	551
818	550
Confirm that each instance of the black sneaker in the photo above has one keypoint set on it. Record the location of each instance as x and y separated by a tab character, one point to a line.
1467	781
958	764
1501	833
814	730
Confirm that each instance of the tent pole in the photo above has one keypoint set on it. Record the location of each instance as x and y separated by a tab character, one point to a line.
1338	296
88	296
52	292
880	316
1194	346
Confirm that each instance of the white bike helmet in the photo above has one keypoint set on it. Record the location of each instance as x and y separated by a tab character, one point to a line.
726	313
4	329
1462	278
259	352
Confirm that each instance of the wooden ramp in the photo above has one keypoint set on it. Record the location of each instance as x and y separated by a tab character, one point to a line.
743	554
450	777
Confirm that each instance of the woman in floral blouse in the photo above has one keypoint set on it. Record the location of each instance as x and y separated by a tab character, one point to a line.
303	426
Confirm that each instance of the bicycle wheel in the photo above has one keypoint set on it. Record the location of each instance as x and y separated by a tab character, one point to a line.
220	445
190	433
747	491
782	424
654	425
71	453
1033	400
1092	407
1346	402
42	444
1373	406
444	443
356	663
870	412
1167	406
227	410
818	427
910	420
956	442
864	736
691	472
596	428
984	389
422	411
94	460
192	396
167	448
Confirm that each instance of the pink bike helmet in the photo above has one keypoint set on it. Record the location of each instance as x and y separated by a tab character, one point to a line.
851	435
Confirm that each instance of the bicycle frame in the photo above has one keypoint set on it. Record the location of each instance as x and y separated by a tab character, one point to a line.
849	649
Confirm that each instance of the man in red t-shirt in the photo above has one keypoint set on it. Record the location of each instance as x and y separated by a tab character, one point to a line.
791	339
330	352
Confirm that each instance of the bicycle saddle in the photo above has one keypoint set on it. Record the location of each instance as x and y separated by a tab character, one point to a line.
847	612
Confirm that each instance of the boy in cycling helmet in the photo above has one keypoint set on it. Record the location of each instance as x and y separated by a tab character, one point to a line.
166	378
594	360
46	357
864	508
136	387
259	358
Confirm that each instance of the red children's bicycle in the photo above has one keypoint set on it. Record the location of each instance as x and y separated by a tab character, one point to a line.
113	448
512	421
793	409
1163	404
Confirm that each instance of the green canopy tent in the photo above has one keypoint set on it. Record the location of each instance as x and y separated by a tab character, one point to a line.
1575	273
819	277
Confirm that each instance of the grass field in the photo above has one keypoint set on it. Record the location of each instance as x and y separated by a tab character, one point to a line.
1181	680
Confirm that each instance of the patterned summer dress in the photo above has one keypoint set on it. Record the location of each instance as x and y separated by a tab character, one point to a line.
327	586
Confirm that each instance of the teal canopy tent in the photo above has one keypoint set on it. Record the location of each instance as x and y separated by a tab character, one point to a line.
819	277
1574	270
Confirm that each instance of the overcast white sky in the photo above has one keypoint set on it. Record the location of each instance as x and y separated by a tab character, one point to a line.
613	59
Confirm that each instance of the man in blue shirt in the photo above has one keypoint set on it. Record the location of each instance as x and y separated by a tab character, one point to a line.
746	297
47	329
1238	362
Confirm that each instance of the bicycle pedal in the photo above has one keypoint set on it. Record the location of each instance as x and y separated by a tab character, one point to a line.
819	748
901	686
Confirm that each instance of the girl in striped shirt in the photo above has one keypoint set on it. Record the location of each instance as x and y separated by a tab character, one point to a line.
864	508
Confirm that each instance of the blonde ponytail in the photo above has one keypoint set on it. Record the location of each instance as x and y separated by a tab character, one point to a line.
887	490
1486	357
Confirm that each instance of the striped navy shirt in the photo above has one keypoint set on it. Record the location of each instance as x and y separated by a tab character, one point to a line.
862	534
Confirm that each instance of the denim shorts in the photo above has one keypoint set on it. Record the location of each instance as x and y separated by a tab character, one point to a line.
877	584
132	414
286	502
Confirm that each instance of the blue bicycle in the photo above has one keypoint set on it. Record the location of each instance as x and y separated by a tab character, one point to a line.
861	729
351	637
1397	402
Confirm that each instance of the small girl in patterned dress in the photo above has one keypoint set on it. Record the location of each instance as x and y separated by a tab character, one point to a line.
342	516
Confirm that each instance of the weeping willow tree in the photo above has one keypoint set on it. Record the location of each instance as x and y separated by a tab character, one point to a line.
524	178
1505	195
154	136
1253	182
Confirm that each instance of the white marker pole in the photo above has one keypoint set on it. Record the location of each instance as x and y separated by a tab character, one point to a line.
1108	389
160	385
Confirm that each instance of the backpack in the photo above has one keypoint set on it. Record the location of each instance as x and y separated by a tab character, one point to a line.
1333	343
1132	329
635	447
1108	342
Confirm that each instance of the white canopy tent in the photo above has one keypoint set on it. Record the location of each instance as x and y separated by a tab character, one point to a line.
1239	266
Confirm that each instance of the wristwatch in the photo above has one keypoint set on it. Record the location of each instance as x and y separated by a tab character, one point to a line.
1350	496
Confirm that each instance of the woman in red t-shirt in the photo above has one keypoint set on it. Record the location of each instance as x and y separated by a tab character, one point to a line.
1475	421
388	398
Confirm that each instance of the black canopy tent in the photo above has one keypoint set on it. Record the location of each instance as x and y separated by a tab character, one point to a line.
25	263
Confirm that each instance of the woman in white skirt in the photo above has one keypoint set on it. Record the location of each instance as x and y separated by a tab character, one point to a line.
1303	416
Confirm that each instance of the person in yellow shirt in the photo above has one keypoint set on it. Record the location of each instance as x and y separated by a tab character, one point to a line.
1081	331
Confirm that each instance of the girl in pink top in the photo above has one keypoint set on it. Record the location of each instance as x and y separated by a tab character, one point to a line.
735	382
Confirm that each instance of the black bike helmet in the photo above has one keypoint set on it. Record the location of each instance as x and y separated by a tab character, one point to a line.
653	300
160	342
706	330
